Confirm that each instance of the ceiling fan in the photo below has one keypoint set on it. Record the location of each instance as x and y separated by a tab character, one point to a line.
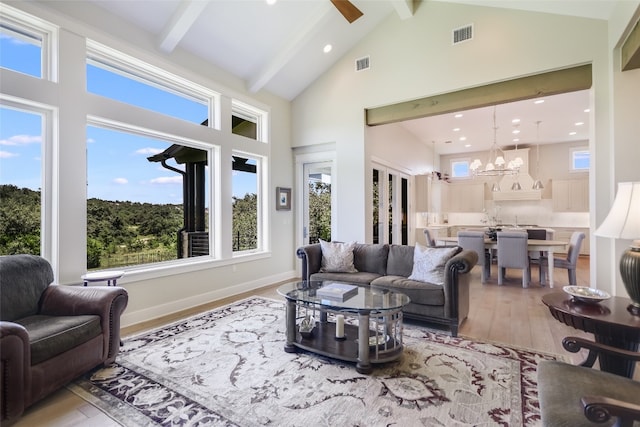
347	9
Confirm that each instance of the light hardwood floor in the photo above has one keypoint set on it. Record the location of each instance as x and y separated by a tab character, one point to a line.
508	314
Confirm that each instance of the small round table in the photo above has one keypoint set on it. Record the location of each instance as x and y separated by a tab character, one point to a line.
102	276
609	321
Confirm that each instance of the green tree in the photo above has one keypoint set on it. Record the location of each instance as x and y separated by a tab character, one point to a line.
319	211
245	222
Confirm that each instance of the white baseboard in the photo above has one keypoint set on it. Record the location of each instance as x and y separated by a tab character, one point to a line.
144	315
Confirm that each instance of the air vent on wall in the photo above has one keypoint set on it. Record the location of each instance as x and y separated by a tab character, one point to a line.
362	63
463	34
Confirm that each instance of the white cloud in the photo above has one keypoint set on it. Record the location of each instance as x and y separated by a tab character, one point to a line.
7	155
90	140
21	140
167	180
148	150
121	181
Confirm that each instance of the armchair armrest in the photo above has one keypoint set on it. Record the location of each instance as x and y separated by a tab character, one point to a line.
311	256
575	344
601	409
108	302
15	374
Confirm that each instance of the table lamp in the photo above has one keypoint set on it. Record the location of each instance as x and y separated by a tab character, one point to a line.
623	222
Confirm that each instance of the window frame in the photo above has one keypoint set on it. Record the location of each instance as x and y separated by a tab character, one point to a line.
130	67
573	152
28	26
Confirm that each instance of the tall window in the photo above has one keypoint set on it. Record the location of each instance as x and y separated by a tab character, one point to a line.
21	154
146	199
246	206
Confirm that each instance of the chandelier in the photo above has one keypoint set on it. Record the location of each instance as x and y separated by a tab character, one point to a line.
496	164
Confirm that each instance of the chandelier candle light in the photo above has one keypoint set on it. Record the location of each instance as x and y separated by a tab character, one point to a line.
623	222
495	164
538	184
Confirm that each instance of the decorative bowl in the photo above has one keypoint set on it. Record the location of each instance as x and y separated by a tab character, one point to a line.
585	294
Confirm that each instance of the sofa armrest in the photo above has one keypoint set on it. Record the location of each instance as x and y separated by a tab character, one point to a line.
15	372
311	256
599	409
108	302
456	304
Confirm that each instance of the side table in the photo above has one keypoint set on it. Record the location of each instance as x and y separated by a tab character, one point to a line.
609	322
110	277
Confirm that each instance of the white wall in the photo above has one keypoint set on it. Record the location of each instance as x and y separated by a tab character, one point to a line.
153	293
414	58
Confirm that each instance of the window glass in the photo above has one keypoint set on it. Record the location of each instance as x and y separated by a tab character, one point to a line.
459	168
126	87
580	159
21	51
244	126
20	181
245	184
248	121
136	207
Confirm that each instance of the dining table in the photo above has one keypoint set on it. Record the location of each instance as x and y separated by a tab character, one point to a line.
547	246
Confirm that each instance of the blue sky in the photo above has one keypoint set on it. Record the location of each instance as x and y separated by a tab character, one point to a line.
117	163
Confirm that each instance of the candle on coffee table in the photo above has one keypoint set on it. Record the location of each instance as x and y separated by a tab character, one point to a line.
339	326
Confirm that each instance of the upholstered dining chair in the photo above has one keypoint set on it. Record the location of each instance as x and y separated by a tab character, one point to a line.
513	253
535	257
474	241
570	262
572	395
427	235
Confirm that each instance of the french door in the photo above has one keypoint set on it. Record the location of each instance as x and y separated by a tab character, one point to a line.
390	205
317	209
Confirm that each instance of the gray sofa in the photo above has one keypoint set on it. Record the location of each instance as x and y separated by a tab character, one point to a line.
50	334
389	266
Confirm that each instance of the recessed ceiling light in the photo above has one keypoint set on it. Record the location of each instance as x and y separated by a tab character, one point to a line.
463	138
515	121
516	131
539	101
327	48
587	110
579	123
456	129
467	145
516	139
270	2
572	133
457	116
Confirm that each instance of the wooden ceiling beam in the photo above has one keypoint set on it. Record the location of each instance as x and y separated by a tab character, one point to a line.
630	52
544	84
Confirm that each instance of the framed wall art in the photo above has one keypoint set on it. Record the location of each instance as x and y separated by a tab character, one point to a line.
283	199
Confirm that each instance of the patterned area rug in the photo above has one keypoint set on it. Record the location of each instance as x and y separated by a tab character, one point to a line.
227	367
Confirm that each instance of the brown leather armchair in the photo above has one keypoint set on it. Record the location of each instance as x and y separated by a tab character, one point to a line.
50	334
581	396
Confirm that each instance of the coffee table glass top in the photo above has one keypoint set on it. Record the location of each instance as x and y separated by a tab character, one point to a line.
365	299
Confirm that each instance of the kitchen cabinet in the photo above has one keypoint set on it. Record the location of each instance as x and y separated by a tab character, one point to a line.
466	197
439	199
570	195
423	184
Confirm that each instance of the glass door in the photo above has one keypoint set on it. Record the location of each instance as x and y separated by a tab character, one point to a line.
390	206
317	205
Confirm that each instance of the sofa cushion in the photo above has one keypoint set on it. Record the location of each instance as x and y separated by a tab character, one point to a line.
420	293
371	258
360	278
53	335
337	257
429	262
400	260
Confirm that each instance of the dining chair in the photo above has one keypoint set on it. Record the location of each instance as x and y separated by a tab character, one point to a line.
474	241
569	262
536	256
513	253
430	242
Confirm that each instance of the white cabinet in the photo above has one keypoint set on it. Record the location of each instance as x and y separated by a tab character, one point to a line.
439	200
466	197
570	195
423	184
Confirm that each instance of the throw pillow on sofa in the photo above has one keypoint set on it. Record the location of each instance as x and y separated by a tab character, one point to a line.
429	262
337	257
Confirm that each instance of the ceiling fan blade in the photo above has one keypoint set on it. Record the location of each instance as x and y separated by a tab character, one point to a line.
347	9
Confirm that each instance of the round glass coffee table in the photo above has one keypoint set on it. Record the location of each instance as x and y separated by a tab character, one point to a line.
365	327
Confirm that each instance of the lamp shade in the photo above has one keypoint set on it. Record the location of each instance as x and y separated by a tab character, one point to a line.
623	220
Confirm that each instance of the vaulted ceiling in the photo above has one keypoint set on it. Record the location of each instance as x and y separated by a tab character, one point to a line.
279	47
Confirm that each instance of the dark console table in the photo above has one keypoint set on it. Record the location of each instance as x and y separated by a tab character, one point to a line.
609	321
